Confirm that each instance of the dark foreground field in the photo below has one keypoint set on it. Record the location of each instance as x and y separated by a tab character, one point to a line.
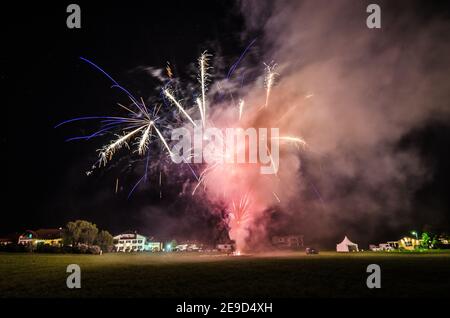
197	275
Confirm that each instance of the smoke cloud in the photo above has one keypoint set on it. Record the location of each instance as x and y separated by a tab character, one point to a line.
353	94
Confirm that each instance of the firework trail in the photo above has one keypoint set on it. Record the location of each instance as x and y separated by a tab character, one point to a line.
203	65
238	213
142	125
269	80
296	140
170	96
241	108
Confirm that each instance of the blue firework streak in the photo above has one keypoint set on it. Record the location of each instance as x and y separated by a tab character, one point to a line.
142	126
139	126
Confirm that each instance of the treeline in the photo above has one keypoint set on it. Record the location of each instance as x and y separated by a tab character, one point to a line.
84	237
432	240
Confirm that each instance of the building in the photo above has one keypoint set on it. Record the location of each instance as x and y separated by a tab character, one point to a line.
226	247
409	243
289	241
406	243
9	239
393	244
133	242
5	241
444	241
53	237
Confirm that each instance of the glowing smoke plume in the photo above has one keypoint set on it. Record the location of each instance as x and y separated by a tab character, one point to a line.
350	92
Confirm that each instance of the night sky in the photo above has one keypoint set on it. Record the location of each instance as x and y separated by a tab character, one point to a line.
46	185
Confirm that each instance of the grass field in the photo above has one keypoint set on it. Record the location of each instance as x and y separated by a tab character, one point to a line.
199	275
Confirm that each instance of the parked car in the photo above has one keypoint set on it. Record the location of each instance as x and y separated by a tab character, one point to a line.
311	250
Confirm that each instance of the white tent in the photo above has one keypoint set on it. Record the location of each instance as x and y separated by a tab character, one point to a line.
346	246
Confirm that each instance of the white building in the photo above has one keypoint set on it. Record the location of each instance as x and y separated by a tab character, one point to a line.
133	242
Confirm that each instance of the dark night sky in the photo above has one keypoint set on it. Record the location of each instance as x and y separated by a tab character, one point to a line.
46	185
46	181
